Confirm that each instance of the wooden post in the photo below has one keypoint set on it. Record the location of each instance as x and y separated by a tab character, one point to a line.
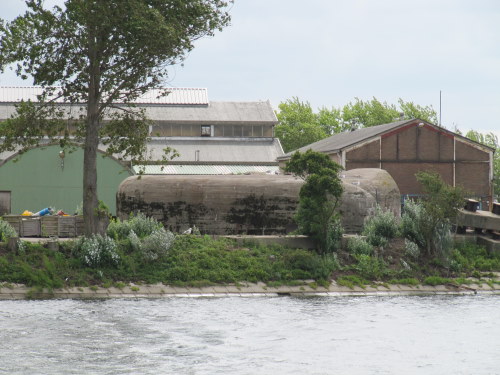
12	244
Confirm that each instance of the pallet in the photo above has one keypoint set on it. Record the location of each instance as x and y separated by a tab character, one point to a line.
49	226
30	227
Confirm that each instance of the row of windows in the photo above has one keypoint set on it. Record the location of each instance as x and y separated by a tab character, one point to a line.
212	130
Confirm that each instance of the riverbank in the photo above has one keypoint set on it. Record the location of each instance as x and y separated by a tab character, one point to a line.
18	291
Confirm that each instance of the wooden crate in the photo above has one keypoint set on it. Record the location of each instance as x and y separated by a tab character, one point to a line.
14	221
67	226
79	225
30	227
50	226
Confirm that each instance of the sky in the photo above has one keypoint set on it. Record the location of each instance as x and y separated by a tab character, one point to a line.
329	52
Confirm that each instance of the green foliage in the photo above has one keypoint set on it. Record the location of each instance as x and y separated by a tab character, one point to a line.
437	280
469	258
428	223
371	268
153	246
299	125
140	224
381	227
351	281
319	197
358	245
406	281
99	53
97	251
491	140
413	215
6	231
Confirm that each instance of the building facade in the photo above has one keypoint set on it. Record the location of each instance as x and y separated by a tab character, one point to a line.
404	148
210	138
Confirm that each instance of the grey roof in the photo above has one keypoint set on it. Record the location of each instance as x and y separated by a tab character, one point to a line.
340	141
215	113
218	150
193	96
189	169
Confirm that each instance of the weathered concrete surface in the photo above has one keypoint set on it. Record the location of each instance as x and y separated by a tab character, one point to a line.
17	291
248	204
479	219
364	189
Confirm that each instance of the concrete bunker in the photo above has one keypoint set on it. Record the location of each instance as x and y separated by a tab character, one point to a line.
248	204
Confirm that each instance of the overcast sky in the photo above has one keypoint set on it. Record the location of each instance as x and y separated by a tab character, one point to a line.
328	52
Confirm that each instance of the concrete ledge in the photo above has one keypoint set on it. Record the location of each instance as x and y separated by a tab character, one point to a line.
16	292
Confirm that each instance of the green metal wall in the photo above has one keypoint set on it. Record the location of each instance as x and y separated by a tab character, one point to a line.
38	180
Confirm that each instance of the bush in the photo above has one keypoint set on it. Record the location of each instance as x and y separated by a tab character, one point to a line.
97	251
6	231
154	246
410	229
141	225
370	268
334	235
380	227
358	245
411	249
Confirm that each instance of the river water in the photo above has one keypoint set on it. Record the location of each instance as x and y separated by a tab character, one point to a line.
258	335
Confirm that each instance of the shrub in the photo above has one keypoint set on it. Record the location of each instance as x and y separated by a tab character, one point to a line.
370	268
334	235
156	244
411	249
380	227
358	245
141	225
410	229
97	251
6	231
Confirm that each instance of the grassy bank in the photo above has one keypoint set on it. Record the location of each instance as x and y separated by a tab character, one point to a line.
203	260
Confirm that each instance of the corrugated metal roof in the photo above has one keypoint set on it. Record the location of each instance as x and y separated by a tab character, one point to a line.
176	96
215	113
205	169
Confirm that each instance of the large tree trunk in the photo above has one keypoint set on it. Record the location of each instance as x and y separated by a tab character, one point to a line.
90	199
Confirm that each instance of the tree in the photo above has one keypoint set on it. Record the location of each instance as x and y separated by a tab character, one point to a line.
440	206
491	140
100	54
319	197
300	126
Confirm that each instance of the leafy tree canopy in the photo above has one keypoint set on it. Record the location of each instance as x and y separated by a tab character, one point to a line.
440	204
299	125
319	197
98	55
491	140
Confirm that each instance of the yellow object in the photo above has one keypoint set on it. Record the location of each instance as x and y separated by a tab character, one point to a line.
27	213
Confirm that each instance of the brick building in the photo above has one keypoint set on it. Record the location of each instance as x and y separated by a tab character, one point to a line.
405	147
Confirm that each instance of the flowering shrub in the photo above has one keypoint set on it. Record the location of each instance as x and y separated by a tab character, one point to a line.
6	231
97	251
153	246
141	225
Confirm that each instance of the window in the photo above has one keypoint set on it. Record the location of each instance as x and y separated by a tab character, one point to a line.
206	130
